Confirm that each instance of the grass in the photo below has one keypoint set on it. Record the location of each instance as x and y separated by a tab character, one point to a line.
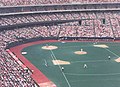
101	72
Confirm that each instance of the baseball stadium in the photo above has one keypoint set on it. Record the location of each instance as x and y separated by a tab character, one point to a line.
59	43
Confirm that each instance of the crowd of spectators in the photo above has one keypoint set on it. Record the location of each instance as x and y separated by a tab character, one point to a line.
88	24
12	20
82	28
13	75
33	2
57	7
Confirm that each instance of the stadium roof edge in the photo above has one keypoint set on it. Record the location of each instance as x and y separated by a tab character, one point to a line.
58	11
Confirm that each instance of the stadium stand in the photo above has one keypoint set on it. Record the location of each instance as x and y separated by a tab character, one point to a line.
11	71
97	24
31	2
20	19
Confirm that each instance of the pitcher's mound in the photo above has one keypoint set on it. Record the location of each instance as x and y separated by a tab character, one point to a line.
49	47
80	52
117	60
60	62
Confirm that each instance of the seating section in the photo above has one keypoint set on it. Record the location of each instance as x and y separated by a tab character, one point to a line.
33	2
13	75
87	24
110	18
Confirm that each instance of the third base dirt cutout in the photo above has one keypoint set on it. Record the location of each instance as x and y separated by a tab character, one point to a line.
117	60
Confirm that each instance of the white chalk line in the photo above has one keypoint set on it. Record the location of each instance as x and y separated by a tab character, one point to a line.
82	80
112	53
90	61
61	69
107	74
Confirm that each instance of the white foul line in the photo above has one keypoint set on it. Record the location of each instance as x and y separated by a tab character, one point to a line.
61	69
112	52
93	74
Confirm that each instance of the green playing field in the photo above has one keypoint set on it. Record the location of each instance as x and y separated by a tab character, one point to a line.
100	72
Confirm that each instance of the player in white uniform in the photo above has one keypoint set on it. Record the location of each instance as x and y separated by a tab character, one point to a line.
85	66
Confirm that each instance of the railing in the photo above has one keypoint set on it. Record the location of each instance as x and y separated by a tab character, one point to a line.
47	7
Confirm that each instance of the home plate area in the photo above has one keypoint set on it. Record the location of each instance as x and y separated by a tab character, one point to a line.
47	84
